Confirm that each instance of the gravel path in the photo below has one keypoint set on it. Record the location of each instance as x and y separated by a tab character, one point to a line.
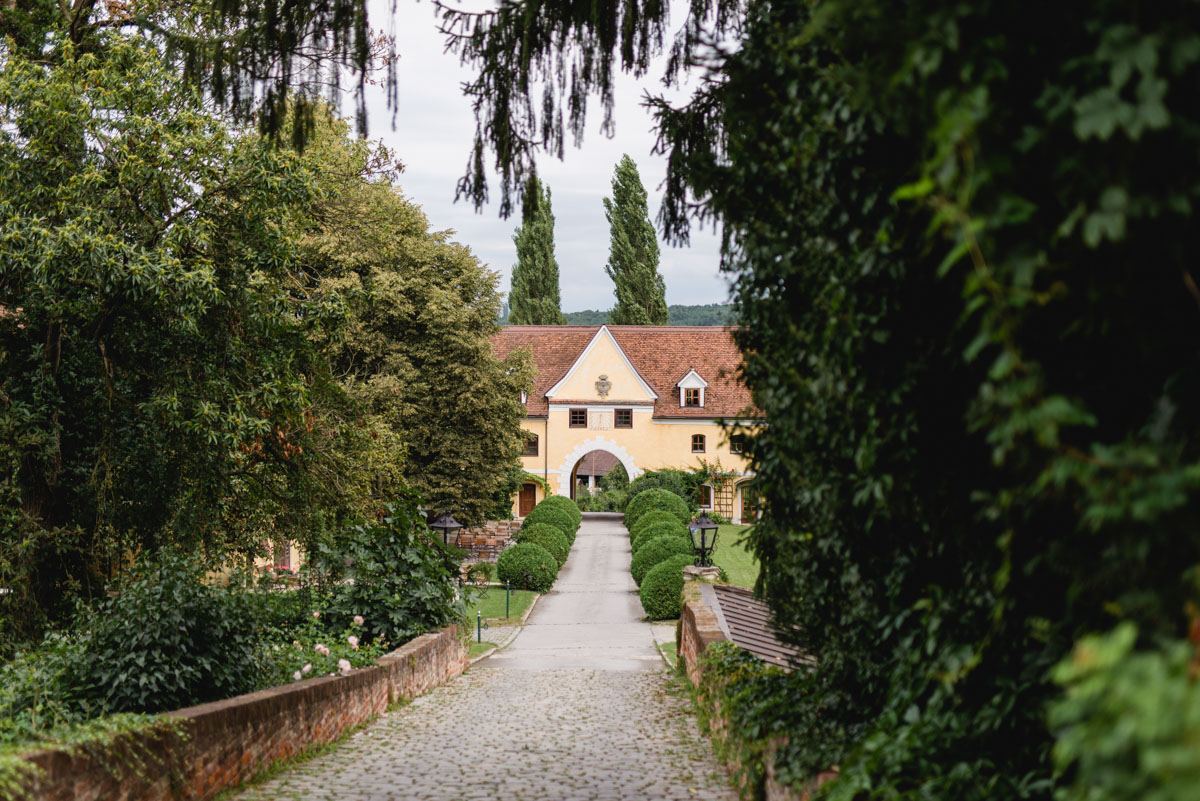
579	708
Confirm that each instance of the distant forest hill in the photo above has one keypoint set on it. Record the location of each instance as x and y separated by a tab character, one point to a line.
704	314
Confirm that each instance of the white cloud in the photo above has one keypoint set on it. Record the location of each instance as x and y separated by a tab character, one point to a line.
433	137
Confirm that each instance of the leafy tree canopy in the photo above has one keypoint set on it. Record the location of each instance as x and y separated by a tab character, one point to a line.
415	352
633	252
958	238
535	293
258	60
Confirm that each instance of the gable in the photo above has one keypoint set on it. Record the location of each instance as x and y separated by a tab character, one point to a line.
602	357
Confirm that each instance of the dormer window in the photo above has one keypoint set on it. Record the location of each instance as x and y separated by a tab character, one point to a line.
691	390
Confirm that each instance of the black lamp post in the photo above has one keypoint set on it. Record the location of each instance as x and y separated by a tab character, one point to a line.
447	525
704	539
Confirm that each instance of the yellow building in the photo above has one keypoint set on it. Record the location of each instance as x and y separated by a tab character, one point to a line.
649	397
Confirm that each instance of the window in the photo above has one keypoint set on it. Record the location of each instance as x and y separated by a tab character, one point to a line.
531	445
697	443
737	443
691	397
624	418
524	399
578	418
705	496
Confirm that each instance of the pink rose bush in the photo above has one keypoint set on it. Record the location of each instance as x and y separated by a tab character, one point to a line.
317	651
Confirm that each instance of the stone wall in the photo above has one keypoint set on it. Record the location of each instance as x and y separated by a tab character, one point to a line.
220	744
699	629
485	542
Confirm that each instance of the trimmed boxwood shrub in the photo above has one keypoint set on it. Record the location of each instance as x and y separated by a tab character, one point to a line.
567	505
662	588
549	537
655	530
657	550
650	499
551	516
653	516
527	566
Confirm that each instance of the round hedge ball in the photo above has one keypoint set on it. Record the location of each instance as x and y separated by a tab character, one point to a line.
551	516
656	499
662	588
653	516
527	566
549	537
567	505
658	550
655	530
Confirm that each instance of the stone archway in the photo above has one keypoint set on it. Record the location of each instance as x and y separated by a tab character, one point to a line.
567	469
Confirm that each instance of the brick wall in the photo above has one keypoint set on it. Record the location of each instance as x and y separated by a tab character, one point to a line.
226	742
485	542
698	629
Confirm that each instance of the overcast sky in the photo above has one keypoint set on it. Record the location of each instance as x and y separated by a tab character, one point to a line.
433	137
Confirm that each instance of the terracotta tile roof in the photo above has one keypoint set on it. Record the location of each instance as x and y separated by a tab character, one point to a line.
747	622
662	355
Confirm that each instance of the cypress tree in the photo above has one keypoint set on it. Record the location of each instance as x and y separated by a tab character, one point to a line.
633	252
534	299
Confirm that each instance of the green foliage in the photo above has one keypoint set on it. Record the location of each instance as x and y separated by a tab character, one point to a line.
615	479
156	369
651	499
415	353
393	573
633	252
1127	723
672	528
613	494
313	650
756	700
656	551
274	70
651	517
549	537
587	317
527	566
967	229
703	314
567	506
662	588
167	639
681	482
534	299
612	500
554	515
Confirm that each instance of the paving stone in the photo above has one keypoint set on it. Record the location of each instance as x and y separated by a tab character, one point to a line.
577	708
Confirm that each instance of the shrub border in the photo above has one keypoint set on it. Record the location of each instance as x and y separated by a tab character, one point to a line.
221	744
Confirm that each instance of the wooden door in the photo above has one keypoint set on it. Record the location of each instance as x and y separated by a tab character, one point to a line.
527	501
749	505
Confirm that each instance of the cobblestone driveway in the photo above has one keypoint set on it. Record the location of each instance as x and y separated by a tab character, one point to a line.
577	708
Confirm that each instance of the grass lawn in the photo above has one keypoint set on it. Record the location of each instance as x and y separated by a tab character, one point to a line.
731	554
492	605
478	648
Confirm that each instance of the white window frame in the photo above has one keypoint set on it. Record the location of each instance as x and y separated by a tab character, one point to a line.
691	381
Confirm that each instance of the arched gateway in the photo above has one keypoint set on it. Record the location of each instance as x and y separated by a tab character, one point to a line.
568	470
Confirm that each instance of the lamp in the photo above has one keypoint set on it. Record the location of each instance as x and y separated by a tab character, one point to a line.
447	525
704	539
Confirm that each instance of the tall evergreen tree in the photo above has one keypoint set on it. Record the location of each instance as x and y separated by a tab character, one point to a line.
633	252
534	298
